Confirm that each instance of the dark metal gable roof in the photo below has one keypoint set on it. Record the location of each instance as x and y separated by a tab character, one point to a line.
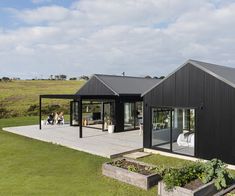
225	74
94	86
122	85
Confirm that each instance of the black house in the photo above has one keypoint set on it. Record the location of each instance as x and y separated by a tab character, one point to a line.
192	112
107	100
119	98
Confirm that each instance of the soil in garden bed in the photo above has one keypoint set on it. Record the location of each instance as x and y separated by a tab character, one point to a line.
134	167
194	184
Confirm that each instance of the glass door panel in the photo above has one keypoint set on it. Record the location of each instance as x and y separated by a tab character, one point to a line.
161	128
129	116
139	114
108	114
183	131
74	116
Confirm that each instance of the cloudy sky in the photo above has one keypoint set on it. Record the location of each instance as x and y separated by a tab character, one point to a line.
141	37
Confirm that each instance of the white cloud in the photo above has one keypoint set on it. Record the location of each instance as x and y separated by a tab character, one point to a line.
41	1
139	37
42	14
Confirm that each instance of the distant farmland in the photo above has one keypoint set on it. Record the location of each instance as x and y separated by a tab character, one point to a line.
16	97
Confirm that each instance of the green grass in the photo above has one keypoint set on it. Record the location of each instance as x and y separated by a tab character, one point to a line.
164	160
17	96
30	167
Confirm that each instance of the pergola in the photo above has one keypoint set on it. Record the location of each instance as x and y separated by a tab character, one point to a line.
119	95
75	97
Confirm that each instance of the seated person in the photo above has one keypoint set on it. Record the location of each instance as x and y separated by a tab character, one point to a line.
50	119
60	118
56	118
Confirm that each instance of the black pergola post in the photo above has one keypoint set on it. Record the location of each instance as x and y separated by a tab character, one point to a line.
71	114
40	112
102	116
80	117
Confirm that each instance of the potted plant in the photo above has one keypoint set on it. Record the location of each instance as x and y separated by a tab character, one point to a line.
111	128
196	179
106	120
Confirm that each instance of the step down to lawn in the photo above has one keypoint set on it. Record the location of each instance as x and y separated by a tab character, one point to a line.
136	155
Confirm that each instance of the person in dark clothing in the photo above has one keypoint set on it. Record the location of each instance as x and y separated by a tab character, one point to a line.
50	119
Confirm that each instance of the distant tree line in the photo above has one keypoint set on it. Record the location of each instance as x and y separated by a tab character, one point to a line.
7	79
64	77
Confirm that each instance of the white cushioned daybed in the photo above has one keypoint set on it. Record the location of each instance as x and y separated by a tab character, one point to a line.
186	139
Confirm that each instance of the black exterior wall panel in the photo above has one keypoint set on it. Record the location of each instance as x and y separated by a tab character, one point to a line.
168	91
214	101
181	87
119	115
147	138
196	86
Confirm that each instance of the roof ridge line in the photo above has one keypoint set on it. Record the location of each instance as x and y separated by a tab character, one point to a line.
196	64
110	88
165	78
84	84
138	77
213	73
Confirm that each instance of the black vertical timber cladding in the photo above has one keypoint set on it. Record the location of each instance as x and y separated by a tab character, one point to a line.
147	137
214	101
119	115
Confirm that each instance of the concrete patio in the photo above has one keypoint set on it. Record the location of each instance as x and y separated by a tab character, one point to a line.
94	141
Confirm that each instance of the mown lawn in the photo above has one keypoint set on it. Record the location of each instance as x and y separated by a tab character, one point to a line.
164	160
30	167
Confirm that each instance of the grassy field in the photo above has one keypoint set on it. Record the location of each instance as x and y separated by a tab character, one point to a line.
17	96
31	167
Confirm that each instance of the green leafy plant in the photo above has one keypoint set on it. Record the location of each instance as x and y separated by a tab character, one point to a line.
181	176
161	170
216	170
212	170
132	168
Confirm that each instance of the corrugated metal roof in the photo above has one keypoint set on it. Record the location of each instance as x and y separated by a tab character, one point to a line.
223	73
126	85
226	74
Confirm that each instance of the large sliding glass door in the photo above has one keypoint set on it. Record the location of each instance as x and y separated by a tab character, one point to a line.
173	129
161	128
133	115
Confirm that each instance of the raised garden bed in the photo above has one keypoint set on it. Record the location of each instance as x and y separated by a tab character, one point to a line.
195	179
230	191
132	172
196	188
